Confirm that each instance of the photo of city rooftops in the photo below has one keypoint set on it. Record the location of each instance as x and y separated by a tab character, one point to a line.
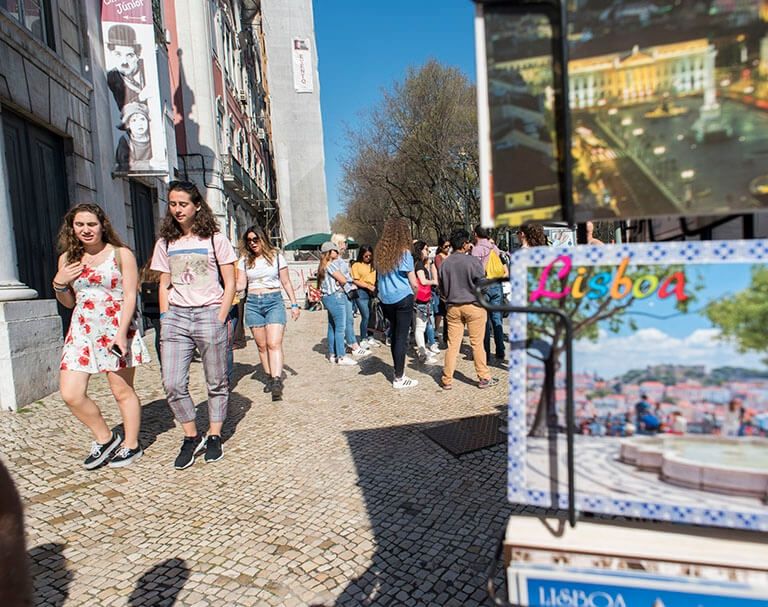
669	109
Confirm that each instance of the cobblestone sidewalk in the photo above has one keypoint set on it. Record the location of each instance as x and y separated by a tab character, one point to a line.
332	497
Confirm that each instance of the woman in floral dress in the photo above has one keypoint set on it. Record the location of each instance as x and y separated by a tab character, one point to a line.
98	277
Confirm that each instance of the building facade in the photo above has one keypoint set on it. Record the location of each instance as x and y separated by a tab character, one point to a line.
221	111
294	93
73	75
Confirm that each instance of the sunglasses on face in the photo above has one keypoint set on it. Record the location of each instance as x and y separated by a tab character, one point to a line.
253	239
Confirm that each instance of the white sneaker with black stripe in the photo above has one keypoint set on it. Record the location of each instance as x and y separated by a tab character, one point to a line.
404	382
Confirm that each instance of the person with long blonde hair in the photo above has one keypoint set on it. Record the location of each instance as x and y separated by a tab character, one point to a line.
197	285
352	292
331	280
98	277
396	281
264	270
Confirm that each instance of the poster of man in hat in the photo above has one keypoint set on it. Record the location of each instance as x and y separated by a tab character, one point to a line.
133	81
126	79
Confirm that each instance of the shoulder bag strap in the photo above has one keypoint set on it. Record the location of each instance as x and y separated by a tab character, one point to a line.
216	259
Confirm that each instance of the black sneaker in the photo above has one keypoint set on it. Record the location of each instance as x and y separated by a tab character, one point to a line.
192	446
100	453
277	388
214	450
125	456
268	386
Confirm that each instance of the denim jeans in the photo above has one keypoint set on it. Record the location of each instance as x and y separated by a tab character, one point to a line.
495	296
336	306
349	324
363	304
425	312
429	332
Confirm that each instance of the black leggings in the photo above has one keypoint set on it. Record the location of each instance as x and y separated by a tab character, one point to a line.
399	316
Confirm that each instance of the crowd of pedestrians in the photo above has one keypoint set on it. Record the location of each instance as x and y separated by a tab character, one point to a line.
190	290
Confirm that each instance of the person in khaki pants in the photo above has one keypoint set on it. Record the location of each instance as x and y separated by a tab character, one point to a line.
459	273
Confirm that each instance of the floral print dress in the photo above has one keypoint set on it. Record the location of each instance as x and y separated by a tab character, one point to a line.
95	320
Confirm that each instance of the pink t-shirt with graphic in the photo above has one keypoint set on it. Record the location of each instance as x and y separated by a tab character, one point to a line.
192	265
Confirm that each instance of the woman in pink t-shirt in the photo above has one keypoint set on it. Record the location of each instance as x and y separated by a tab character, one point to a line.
197	285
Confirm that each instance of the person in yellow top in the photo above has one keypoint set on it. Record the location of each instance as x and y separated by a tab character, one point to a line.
364	276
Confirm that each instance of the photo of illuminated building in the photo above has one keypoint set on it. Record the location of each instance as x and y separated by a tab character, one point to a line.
666	118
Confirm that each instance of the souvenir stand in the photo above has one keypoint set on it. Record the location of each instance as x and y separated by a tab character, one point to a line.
638	408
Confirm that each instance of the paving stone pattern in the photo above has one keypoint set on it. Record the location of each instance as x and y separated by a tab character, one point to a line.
332	497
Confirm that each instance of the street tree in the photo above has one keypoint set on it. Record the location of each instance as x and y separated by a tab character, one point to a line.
415	155
742	317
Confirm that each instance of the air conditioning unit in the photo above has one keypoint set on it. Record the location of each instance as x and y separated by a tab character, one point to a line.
261	133
243	97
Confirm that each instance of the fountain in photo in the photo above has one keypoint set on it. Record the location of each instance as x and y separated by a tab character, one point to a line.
734	466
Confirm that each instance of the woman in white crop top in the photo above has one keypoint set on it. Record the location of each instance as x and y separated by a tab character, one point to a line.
263	269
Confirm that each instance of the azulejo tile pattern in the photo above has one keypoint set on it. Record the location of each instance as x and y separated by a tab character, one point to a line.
519	490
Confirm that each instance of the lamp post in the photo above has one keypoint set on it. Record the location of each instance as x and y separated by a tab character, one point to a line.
688	195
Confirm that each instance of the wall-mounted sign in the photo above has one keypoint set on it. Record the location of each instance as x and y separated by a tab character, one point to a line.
670	376
550	587
668	109
132	77
302	65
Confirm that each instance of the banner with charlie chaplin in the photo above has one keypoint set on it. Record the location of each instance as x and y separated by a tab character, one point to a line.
132	77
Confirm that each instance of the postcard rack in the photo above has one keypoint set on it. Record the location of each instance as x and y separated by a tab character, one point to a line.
569	517
550	367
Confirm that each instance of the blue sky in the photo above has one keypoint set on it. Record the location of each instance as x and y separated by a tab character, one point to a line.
687	339
363	47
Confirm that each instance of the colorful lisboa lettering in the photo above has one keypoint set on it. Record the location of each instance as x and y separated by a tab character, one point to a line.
615	284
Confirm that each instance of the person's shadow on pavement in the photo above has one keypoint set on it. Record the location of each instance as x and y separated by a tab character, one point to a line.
156	418
237	409
160	585
50	576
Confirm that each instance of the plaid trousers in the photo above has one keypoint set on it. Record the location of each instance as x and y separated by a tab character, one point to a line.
183	329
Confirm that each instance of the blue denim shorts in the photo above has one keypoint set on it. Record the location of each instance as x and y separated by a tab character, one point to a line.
264	309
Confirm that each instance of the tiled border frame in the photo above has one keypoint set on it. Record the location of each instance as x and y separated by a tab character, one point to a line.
747	251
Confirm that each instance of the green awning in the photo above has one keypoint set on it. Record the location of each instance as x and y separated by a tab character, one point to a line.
313	242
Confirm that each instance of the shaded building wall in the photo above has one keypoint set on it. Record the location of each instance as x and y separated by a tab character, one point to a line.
296	120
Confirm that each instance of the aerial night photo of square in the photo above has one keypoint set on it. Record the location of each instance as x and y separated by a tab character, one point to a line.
668	103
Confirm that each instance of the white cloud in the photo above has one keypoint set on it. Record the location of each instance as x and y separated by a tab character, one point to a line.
613	355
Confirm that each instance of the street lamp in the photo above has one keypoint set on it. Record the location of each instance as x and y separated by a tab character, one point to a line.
687	176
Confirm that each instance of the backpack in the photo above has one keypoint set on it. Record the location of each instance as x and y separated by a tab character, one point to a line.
494	268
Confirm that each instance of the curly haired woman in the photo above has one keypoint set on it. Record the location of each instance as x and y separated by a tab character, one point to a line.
532	235
197	286
97	276
397	283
